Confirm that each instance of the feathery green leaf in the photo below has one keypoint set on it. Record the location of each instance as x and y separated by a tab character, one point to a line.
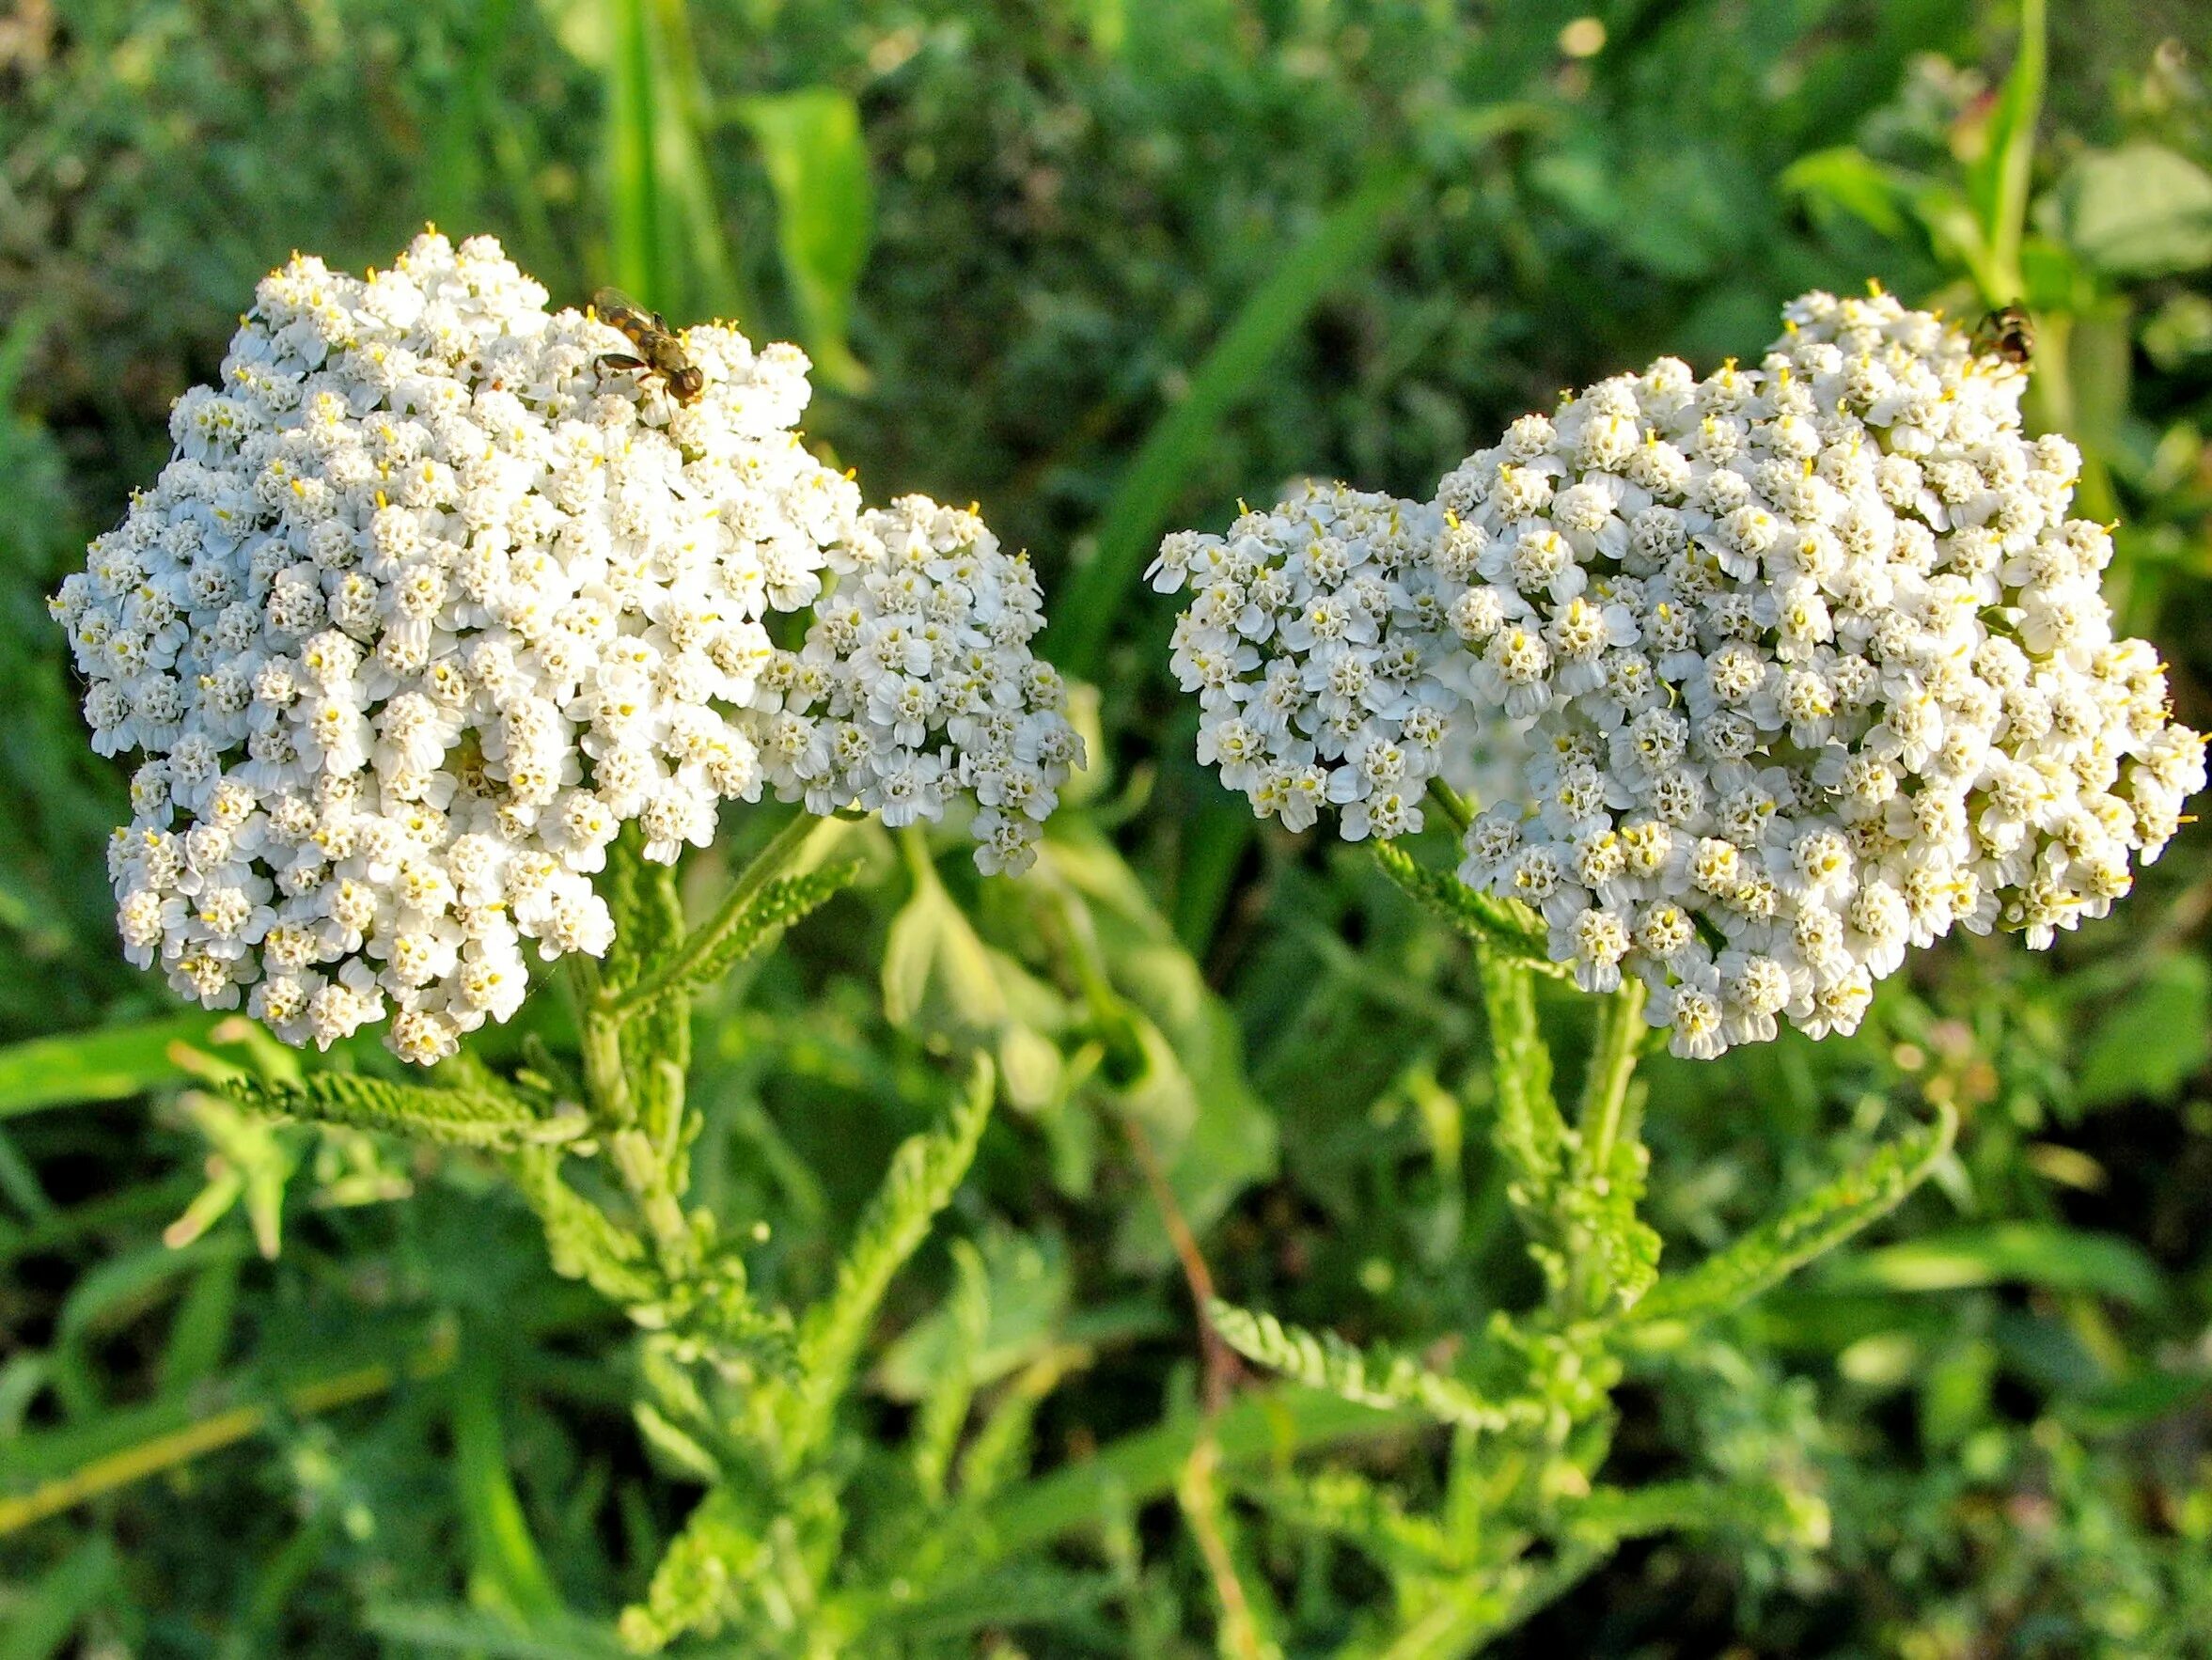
1513	931
472	1117
924	1174
1371	1377
1809	1228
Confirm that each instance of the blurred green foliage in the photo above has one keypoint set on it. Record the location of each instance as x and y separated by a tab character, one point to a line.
1104	266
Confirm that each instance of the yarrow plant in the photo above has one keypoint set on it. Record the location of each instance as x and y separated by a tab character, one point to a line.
429	604
1811	662
1762	680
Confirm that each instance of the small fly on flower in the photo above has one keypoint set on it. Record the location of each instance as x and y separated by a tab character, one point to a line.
2008	333
659	352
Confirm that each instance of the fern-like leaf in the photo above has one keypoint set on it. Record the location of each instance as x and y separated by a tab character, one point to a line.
698	1585
1513	931
1530	1130
1371	1377
783	903
583	1242
924	1174
1018	1593
1809	1228
775	908
475	1116
1365	1514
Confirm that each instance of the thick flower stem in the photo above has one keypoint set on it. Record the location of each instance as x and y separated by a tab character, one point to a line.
1612	1063
1456	809
1598	1120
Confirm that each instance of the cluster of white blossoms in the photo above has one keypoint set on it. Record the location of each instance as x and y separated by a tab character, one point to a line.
1313	640
1814	665
429	604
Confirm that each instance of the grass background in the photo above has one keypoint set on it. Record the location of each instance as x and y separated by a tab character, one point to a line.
1106	266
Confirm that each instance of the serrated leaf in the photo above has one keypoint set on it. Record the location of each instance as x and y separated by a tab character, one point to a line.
2137	212
925	1172
783	903
1371	1377
1513	931
454	1118
1809	1228
757	925
1528	1129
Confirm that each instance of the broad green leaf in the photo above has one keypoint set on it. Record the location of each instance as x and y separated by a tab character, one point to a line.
2042	1255
2154	1039
111	1063
937	975
817	163
1215	1136
2140	210
1848	179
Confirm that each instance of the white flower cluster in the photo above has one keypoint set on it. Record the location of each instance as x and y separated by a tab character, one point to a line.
1312	639
1815	666
429	604
916	683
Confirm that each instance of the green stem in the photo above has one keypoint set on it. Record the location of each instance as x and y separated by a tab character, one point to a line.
1458	812
1612	1063
599	1038
703	941
1597	1122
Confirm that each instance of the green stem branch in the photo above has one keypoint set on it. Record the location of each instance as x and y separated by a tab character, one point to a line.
703	942
1612	1063
598	1039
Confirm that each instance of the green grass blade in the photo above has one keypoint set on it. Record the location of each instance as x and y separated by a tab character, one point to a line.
45	1612
1997	183
113	1064
634	209
508	1570
817	163
45	1473
1347	240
